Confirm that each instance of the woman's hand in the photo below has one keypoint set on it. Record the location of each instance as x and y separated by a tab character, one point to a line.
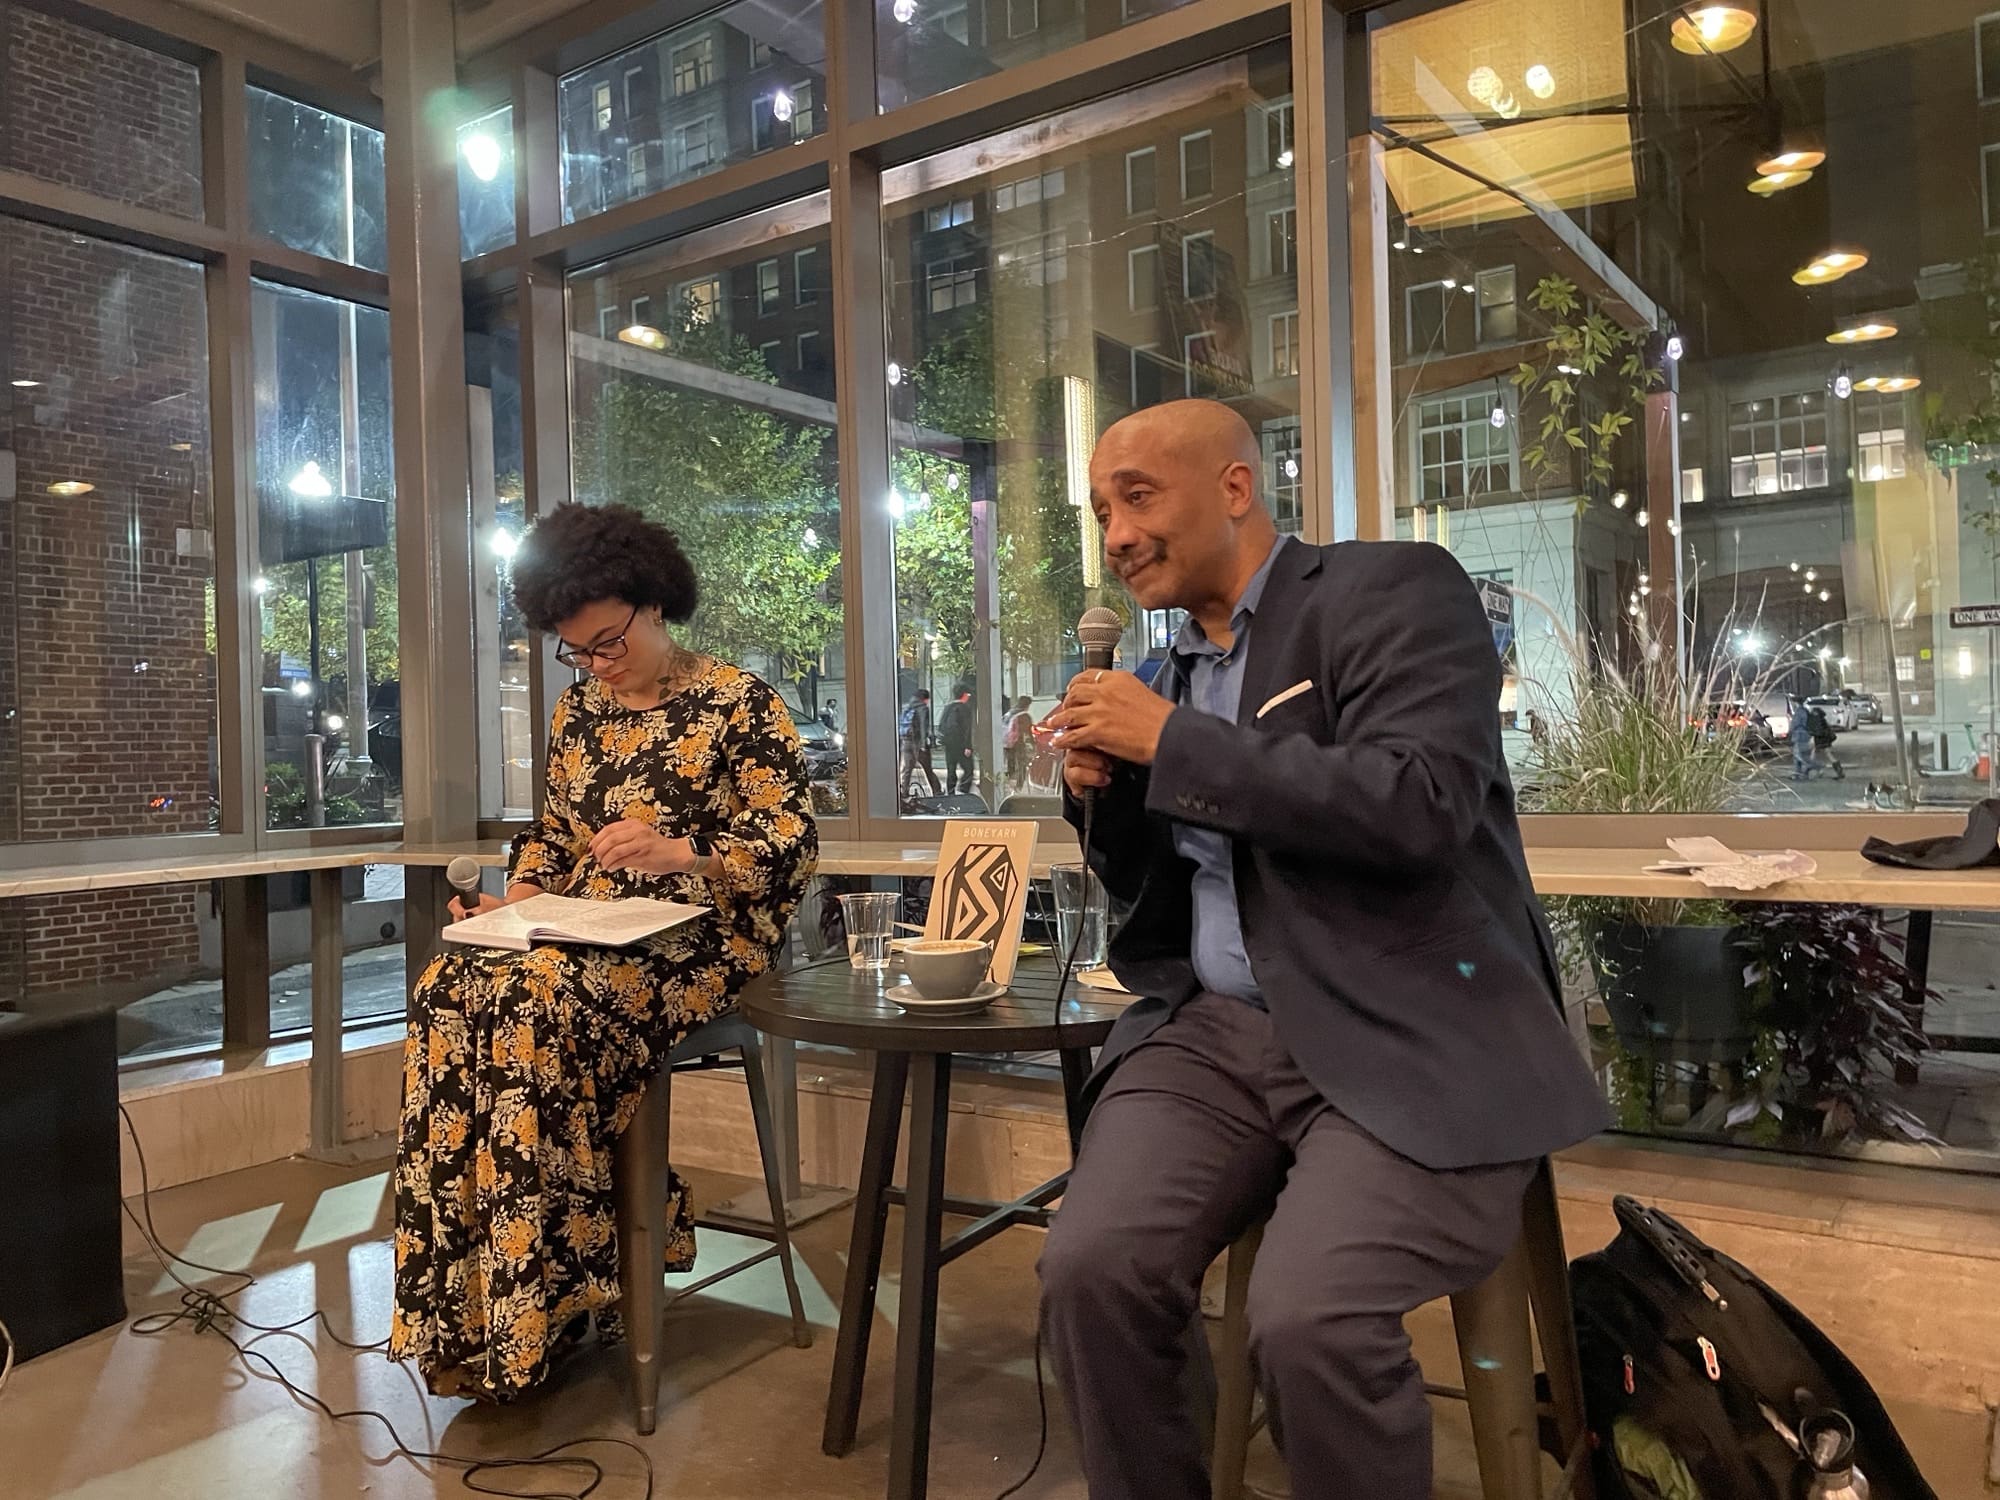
485	903
631	845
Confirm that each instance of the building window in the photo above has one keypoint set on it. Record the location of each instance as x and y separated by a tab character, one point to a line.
767	286
805	276
1282	475
1278	136
948	215
607	322
1139	195
1461	455
694	66
1777	445
1986	34
1024	18
1499	320
1694	490
642	310
1040	259
600	101
808	345
1198	266
1285	343
1142	278
1149	376
952	283
953	21
1879	433
701	300
694	146
633	79
772	352
761	53
803	118
1026	190
1282	230
1198	164
635	168
1989	186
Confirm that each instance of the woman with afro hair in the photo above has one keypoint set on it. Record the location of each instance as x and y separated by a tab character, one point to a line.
670	775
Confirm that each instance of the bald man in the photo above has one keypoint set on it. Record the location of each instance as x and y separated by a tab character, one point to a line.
1351	1022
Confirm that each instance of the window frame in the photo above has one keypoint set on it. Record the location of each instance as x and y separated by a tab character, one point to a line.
1987	91
1465	423
1207	138
600	105
1016	32
805	291
1132	210
1289	215
703	70
771	298
1289	321
1132	302
1188	241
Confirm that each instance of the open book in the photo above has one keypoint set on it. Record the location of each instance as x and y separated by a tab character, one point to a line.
566	919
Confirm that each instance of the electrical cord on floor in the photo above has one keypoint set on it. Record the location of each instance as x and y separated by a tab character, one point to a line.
209	1311
1062	994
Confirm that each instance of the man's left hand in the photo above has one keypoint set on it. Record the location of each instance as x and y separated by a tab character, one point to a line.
1114	713
630	845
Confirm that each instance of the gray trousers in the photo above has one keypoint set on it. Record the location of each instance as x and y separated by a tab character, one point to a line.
1202	1128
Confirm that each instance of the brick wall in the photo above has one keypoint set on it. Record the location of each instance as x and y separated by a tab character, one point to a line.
107	688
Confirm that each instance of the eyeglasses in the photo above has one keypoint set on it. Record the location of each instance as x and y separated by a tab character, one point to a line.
580	657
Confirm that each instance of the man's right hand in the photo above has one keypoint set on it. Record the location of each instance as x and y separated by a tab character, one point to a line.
1086	770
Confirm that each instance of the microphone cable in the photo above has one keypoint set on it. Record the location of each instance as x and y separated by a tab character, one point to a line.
209	1311
1062	993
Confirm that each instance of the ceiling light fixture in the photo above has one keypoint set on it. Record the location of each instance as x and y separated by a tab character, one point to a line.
1831	266
1863	333
69	489
1777	182
1790	161
645	335
1484	85
1712	28
26	385
482	154
1541	82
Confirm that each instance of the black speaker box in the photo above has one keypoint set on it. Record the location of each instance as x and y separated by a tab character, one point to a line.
60	1241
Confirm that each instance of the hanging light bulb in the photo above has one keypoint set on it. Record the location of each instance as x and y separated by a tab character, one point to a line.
781	107
1712	28
1618	499
1498	416
1643	518
1484	85
1541	82
905	11
895	373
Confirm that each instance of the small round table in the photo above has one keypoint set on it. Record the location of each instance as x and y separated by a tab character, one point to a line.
836	1005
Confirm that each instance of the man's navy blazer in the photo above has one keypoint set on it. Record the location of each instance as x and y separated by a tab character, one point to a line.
1385	899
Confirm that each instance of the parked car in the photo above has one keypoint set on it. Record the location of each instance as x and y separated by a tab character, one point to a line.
1840	714
1867	707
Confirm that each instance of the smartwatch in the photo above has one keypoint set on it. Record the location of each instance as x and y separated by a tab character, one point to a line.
700	847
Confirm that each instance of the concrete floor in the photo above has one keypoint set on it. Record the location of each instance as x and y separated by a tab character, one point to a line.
120	1416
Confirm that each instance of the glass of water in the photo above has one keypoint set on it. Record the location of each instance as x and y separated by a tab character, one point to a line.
870	917
1082	909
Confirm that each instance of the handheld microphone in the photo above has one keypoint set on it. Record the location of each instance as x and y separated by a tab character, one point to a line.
1100	631
463	873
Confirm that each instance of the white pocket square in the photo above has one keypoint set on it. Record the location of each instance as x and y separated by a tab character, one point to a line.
1286	696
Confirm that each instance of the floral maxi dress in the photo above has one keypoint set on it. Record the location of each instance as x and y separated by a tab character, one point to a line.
521	1068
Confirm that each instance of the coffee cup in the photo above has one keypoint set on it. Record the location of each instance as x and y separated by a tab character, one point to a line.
946	968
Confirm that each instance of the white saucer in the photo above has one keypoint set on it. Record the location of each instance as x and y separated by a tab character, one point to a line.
912	1001
1101	978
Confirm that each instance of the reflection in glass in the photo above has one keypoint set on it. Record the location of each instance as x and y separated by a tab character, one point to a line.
716	417
1033	300
486	183
107	542
91	111
506	703
748	79
317	181
923	47
331	688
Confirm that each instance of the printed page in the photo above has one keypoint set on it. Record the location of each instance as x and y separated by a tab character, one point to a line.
611	924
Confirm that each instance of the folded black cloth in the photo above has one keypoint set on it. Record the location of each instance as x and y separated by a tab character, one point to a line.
1978	845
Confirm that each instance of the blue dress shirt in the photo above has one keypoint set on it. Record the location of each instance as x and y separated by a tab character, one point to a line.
1210	680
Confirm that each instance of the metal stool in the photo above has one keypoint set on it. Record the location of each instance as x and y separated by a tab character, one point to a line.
639	1182
1491	1321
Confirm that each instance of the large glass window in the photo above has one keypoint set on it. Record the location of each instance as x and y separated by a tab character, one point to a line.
486	182
506	705
107	543
718	420
923	47
1777	444
90	111
331	686
317	181
745	80
1017	339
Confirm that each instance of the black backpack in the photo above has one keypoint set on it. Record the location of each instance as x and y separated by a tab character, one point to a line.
1821	730
1687	1356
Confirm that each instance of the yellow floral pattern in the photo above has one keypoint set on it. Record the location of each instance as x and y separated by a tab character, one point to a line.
521	1068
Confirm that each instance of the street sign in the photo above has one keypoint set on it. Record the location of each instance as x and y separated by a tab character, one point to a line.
1499	602
1976	617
